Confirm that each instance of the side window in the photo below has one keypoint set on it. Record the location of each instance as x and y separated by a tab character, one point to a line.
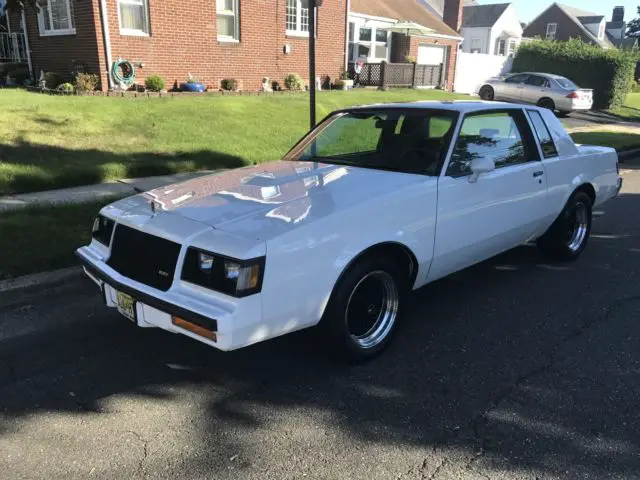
537	81
522	78
502	136
544	136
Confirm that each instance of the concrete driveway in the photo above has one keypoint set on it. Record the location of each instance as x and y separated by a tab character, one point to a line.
594	118
514	369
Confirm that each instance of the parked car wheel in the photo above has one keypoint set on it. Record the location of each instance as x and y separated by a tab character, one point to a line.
487	93
567	238
364	309
547	103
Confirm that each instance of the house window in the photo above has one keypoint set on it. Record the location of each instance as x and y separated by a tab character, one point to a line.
298	17
501	47
513	47
134	17
372	44
56	17
476	47
227	20
552	29
352	33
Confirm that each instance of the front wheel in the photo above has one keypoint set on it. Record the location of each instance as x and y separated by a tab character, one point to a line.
364	309
567	238
487	93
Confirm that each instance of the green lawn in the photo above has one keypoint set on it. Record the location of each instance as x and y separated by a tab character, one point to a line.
49	142
631	109
26	240
617	140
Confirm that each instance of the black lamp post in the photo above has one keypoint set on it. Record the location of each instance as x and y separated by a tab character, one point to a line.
313	4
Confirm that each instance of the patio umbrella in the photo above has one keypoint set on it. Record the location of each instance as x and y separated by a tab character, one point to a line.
409	29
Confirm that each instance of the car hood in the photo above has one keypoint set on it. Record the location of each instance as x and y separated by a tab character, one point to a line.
267	199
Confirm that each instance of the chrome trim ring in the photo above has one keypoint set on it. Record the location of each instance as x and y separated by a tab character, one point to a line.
578	227
372	309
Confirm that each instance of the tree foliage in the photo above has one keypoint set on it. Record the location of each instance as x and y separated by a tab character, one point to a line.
633	27
609	73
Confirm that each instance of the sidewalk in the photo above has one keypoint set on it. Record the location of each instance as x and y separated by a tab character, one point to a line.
88	193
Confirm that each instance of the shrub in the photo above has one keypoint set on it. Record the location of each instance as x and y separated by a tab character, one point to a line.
52	80
293	81
19	75
86	82
154	83
608	72
275	86
410	59
229	84
66	87
635	87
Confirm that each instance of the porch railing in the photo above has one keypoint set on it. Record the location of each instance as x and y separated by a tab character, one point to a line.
398	75
13	47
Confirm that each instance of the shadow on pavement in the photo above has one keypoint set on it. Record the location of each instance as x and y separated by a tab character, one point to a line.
509	362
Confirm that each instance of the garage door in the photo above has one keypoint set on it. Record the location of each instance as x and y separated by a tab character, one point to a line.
430	55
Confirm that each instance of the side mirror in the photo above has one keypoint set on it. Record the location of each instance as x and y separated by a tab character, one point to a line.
480	166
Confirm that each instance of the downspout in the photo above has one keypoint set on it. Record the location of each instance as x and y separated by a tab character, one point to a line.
346	37
107	41
26	42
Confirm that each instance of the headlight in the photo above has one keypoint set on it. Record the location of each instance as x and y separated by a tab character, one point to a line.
102	229
239	278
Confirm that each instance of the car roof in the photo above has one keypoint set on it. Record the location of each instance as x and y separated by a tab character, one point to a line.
462	106
546	75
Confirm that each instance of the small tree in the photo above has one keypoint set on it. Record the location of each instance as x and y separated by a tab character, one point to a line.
633	27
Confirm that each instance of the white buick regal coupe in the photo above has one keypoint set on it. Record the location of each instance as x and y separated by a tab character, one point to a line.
376	201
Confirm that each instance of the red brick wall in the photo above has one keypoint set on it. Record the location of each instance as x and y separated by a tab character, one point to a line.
452	56
183	40
65	54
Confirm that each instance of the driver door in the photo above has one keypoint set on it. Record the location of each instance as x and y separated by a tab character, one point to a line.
503	208
512	87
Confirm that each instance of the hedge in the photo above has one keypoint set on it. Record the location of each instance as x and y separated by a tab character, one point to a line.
608	72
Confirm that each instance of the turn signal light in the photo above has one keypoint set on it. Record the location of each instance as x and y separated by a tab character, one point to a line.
192	327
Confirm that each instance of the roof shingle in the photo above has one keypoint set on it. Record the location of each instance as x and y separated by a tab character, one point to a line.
483	15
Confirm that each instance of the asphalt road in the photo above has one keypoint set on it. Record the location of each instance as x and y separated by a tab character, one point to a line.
590	119
515	368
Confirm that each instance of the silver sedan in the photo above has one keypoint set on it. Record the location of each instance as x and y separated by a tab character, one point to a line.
542	89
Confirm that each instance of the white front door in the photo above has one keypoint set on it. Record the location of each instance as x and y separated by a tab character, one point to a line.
503	208
430	55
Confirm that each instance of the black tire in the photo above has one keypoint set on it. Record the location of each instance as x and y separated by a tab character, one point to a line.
567	238
563	114
341	334
547	103
487	93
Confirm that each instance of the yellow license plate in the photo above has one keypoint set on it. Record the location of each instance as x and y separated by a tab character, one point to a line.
126	305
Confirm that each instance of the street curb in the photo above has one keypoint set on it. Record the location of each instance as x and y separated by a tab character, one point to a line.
37	281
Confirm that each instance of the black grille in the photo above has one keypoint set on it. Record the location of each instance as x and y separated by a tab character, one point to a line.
144	258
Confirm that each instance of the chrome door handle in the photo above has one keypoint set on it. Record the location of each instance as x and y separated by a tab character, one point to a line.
537	174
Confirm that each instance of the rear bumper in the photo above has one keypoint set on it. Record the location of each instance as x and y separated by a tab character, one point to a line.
234	321
571	105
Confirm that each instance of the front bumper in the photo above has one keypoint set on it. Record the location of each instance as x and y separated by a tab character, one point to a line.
236	322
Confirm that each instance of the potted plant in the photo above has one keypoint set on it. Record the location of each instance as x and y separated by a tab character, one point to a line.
344	82
192	85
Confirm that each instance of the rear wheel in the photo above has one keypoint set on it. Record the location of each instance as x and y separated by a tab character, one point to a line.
364	309
567	238
487	93
547	103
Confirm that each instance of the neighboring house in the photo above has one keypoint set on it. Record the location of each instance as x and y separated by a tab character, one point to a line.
211	39
370	41
617	28
560	22
491	29
242	39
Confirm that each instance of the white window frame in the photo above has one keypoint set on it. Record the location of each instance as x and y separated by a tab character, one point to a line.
374	26
297	32
552	35
476	45
132	31
236	20
505	50
45	9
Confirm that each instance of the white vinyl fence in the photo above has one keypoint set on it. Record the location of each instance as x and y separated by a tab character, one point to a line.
474	69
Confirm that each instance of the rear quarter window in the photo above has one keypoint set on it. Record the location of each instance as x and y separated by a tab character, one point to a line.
543	134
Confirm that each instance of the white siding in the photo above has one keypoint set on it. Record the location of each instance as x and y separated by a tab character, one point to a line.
480	35
507	24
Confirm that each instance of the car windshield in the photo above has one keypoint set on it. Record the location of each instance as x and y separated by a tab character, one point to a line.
566	83
404	140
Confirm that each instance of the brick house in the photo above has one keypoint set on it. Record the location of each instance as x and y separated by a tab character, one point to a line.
217	39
